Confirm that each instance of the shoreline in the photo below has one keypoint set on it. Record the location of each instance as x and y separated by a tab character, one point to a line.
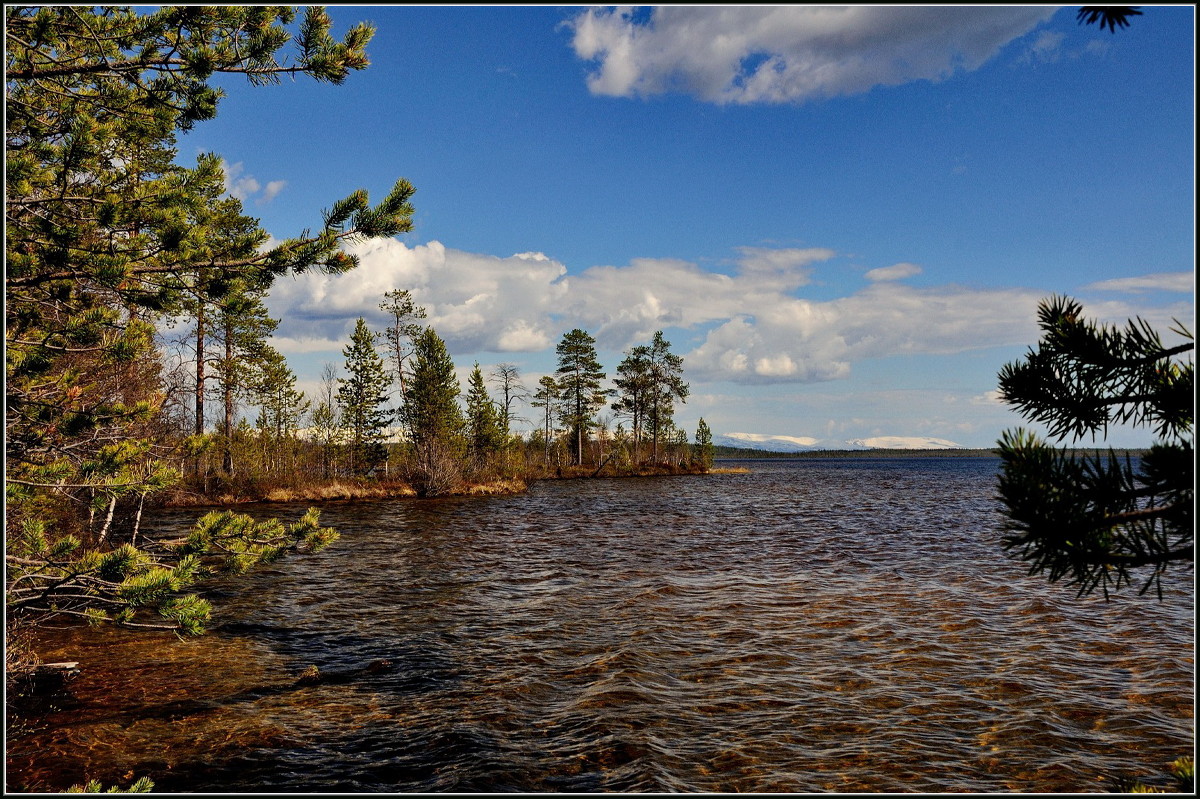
344	490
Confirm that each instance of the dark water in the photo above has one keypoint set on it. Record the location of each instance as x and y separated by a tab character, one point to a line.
811	626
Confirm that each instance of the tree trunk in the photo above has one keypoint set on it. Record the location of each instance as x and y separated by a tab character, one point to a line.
200	371
227	455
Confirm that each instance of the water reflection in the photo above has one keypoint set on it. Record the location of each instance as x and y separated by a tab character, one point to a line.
810	626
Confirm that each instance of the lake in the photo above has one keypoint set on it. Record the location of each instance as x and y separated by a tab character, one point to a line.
809	626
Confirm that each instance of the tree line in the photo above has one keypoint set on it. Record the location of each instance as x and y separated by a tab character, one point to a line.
396	411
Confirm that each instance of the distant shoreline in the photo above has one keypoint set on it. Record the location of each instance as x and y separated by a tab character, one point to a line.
737	454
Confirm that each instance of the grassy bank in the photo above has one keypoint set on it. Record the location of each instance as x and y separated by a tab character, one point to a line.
349	489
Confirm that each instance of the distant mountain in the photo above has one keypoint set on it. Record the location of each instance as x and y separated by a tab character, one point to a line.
768	443
902	442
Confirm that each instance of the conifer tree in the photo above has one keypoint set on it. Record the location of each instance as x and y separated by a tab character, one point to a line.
485	435
633	389
362	395
1096	521
664	371
547	399
246	358
434	419
650	381
401	330
105	233
579	375
702	449
275	394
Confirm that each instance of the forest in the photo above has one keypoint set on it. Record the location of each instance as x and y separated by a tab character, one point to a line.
394	419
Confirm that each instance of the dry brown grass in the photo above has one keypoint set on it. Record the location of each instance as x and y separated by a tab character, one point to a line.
499	486
349	489
338	490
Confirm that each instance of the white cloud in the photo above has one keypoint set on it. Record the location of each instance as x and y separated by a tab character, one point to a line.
476	302
893	272
245	187
751	326
790	339
780	54
1183	282
272	188
783	269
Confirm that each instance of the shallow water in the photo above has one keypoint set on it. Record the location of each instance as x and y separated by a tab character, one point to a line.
811	626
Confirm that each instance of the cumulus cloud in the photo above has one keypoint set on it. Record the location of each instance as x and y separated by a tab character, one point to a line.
797	340
476	302
751	326
789	54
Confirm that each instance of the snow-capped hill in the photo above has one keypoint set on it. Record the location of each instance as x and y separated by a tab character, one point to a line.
769	443
902	442
779	443
756	439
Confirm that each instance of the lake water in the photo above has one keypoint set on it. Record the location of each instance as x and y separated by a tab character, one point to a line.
810	626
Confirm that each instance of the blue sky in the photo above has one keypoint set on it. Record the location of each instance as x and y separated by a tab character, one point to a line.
842	218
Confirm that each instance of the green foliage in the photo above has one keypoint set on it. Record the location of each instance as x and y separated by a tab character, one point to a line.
281	406
241	543
142	785
362	396
650	381
117	584
665	373
105	234
702	450
485	433
1096	520
1182	775
402	329
431	413
431	402
633	384
547	399
579	375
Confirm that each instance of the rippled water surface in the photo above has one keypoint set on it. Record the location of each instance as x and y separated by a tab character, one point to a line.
810	626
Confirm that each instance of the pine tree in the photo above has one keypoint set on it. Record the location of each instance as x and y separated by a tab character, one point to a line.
1096	521
244	327
362	395
279	403
402	329
633	390
702	450
547	399
105	233
485	435
579	375
664	372
433	417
